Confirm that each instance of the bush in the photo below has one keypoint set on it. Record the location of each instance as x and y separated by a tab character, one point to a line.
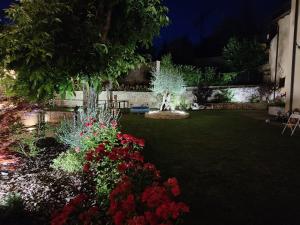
69	161
82	134
25	144
12	206
128	190
223	96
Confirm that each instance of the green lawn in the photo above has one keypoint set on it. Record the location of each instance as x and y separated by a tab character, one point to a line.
233	167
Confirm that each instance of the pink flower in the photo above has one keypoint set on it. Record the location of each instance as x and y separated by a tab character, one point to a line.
114	124
102	126
77	149
88	124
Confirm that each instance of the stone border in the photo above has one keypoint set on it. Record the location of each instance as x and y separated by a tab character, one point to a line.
167	115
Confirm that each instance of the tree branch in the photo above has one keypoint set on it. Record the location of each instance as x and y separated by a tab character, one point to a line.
107	26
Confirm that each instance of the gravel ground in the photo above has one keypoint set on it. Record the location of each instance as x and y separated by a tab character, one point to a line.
42	188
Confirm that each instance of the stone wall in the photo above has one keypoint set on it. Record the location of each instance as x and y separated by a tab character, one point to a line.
241	94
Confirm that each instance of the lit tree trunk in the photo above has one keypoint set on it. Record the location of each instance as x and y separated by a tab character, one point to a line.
166	103
93	98
85	92
90	97
109	96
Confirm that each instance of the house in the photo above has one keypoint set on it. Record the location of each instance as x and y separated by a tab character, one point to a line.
285	55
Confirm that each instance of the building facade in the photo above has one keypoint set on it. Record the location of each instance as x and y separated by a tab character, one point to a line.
285	56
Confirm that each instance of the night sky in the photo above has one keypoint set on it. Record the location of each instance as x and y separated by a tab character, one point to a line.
198	20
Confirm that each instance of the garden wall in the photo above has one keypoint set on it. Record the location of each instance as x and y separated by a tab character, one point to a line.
241	94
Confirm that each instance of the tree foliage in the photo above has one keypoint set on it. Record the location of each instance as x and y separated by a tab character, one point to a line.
53	43
244	55
168	80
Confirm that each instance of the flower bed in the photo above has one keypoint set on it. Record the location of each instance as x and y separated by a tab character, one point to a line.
124	189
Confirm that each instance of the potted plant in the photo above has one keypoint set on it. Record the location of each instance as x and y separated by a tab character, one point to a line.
276	107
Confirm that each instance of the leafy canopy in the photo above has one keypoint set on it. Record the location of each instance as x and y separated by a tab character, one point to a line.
53	43
244	55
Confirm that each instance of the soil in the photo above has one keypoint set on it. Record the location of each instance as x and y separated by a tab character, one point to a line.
42	189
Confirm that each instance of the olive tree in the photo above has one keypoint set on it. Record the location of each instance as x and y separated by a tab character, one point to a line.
167	83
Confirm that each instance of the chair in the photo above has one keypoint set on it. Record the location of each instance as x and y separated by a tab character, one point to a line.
293	123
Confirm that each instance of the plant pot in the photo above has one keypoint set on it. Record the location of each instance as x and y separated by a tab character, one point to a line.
276	110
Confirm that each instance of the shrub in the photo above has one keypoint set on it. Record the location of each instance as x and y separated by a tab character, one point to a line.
128	190
25	144
12	206
75	132
85	133
223	96
69	161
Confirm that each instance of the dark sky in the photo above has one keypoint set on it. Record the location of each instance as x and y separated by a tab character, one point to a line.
198	19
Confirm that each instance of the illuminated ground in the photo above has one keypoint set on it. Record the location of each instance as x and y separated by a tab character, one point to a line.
234	168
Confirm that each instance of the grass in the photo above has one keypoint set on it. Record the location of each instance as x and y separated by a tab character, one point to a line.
234	168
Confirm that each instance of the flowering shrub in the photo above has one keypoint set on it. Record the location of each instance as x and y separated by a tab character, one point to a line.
90	129
103	162
128	191
136	203
78	211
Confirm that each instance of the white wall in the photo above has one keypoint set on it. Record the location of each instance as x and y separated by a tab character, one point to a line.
240	95
290	46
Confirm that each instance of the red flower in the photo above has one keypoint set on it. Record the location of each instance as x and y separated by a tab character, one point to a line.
122	167
141	142
124	142
154	196
119	218
171	210
172	183
128	205
89	156
86	168
137	220
137	156
151	218
119	136
100	149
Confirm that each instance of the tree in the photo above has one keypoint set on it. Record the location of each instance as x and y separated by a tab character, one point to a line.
52	44
244	55
168	83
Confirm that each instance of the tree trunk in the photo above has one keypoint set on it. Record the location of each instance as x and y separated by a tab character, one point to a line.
166	103
93	98
90	97
109	94
85	92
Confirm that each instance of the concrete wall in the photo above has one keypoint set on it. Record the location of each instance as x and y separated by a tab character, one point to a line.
288	83
283	51
285	56
240	95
